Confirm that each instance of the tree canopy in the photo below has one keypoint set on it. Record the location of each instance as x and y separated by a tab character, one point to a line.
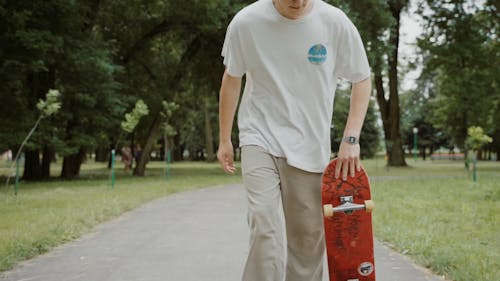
105	56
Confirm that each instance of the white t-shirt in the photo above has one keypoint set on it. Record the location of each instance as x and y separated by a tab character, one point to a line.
292	68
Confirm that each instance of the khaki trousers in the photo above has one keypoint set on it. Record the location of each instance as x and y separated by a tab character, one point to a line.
271	183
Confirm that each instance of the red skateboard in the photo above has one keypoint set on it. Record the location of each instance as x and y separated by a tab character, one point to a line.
348	226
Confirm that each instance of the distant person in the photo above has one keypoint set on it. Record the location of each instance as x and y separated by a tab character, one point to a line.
292	52
7	155
126	157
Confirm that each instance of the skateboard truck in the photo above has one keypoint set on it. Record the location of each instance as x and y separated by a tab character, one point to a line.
347	207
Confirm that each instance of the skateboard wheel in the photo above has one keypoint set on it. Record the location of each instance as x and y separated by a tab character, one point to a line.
328	210
369	206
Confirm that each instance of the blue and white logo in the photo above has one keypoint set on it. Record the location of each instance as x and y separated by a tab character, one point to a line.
317	54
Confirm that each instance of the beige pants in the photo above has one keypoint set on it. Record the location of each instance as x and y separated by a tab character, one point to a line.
270	182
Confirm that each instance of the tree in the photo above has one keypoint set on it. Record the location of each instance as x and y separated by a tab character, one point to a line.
460	48
379	23
415	105
132	118
369	140
166	49
476	139
28	52
52	44
47	108
93	105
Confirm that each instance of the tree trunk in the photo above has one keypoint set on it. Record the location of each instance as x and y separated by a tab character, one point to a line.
390	121
110	152
209	138
101	154
389	109
176	148
480	154
396	158
171	146
132	151
32	166
72	163
153	133
47	158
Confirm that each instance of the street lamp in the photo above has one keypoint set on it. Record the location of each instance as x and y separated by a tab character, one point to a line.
415	132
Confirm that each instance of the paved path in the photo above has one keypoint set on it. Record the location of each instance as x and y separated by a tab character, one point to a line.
190	236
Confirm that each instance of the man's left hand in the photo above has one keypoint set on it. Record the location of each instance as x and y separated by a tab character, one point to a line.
348	161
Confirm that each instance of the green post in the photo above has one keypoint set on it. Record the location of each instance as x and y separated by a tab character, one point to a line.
113	168
17	177
474	173
167	160
415	149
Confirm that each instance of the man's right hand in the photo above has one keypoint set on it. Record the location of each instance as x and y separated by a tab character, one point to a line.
228	101
225	155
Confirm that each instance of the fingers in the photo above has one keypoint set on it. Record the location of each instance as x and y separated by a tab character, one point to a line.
358	165
226	161
348	161
351	168
229	166
347	167
338	168
342	168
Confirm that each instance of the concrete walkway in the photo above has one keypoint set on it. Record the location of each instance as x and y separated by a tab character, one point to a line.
190	236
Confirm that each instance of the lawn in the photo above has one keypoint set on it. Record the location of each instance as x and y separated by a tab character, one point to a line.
431	210
434	213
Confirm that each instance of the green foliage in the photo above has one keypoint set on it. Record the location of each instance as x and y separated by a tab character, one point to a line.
132	118
373	20
47	108
169	109
51	105
415	108
460	51
52	44
370	133
476	138
378	22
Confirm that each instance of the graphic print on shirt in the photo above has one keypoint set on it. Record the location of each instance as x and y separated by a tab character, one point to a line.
317	54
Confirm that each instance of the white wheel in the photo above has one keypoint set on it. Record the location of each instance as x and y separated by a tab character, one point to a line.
328	210
369	206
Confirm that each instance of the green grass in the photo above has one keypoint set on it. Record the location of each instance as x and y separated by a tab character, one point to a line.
431	210
47	214
434	213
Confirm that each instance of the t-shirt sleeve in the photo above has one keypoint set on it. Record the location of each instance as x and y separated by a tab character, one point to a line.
352	62
232	51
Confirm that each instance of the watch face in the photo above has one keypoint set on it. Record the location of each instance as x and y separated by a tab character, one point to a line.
351	140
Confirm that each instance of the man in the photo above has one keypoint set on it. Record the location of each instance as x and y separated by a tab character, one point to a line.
292	52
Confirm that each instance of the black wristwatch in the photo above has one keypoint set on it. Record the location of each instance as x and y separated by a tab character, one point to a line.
351	140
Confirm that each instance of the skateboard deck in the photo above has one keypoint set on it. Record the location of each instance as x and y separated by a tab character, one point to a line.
347	209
